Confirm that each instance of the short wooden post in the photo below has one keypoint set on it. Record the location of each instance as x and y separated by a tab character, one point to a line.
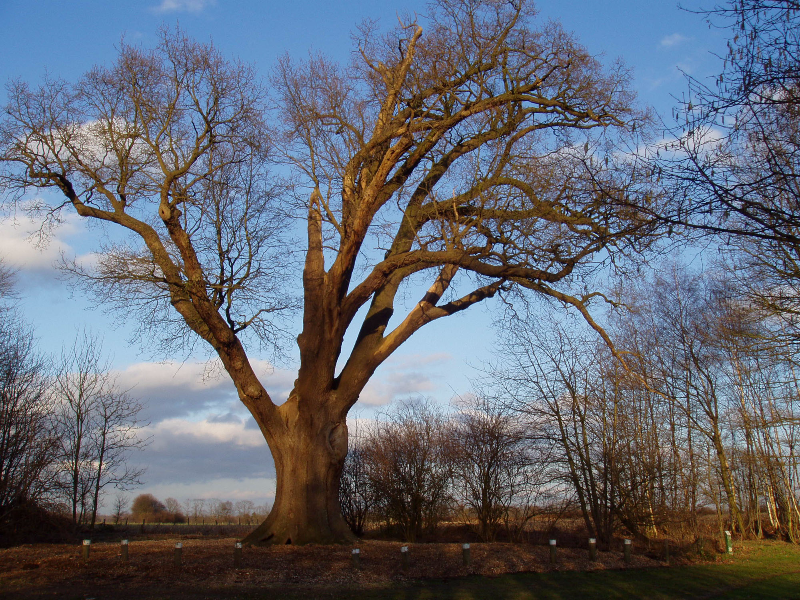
465	555
406	561
592	549
176	557
123	550
553	556
627	549
237	555
356	554
666	551
728	543
86	547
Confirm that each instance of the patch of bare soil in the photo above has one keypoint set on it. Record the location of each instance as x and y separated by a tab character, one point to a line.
207	568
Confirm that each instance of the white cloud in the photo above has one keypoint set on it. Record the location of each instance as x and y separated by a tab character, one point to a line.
194	6
672	40
147	376
403	376
186	452
22	248
194	388
206	431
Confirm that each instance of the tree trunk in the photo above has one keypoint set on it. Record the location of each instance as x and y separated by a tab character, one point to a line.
309	455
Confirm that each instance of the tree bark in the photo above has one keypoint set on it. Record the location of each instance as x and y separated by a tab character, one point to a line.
309	455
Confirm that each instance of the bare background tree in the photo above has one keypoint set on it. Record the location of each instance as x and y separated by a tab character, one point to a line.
700	419
734	167
97	427
409	467
27	439
120	508
357	496
494	463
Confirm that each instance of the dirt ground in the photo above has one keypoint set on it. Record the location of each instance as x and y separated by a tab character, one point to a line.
207	568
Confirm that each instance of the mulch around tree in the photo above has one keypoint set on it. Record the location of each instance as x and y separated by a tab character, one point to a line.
207	569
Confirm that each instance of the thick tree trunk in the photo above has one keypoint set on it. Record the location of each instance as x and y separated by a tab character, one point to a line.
309	455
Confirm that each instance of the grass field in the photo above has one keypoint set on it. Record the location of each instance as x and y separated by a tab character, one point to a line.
756	570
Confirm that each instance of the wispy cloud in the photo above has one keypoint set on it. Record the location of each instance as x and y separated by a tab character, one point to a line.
25	247
183	452
193	388
192	6
672	40
403	376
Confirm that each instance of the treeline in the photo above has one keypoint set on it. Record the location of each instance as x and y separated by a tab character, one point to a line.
416	467
148	508
66	429
684	418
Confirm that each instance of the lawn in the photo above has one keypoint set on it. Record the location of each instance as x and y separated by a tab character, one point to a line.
756	570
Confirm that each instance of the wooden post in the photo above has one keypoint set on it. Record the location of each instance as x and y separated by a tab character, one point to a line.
666	551
553	557
627	550
86	546
356	554
728	543
123	550
176	557
592	549
237	555
406	561
465	555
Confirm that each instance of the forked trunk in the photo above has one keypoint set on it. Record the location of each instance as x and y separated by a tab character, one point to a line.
309	455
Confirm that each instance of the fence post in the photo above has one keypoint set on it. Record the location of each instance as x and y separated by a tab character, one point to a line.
465	555
627	550
123	550
86	546
404	557
356	554
728	543
553	552
237	555
177	554
592	549
666	551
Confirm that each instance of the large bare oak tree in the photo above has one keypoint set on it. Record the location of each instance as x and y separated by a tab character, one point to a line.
465	152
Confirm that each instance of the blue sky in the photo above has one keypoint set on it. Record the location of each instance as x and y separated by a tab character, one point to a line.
204	445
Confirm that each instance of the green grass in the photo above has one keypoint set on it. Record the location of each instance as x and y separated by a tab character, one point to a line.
759	570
